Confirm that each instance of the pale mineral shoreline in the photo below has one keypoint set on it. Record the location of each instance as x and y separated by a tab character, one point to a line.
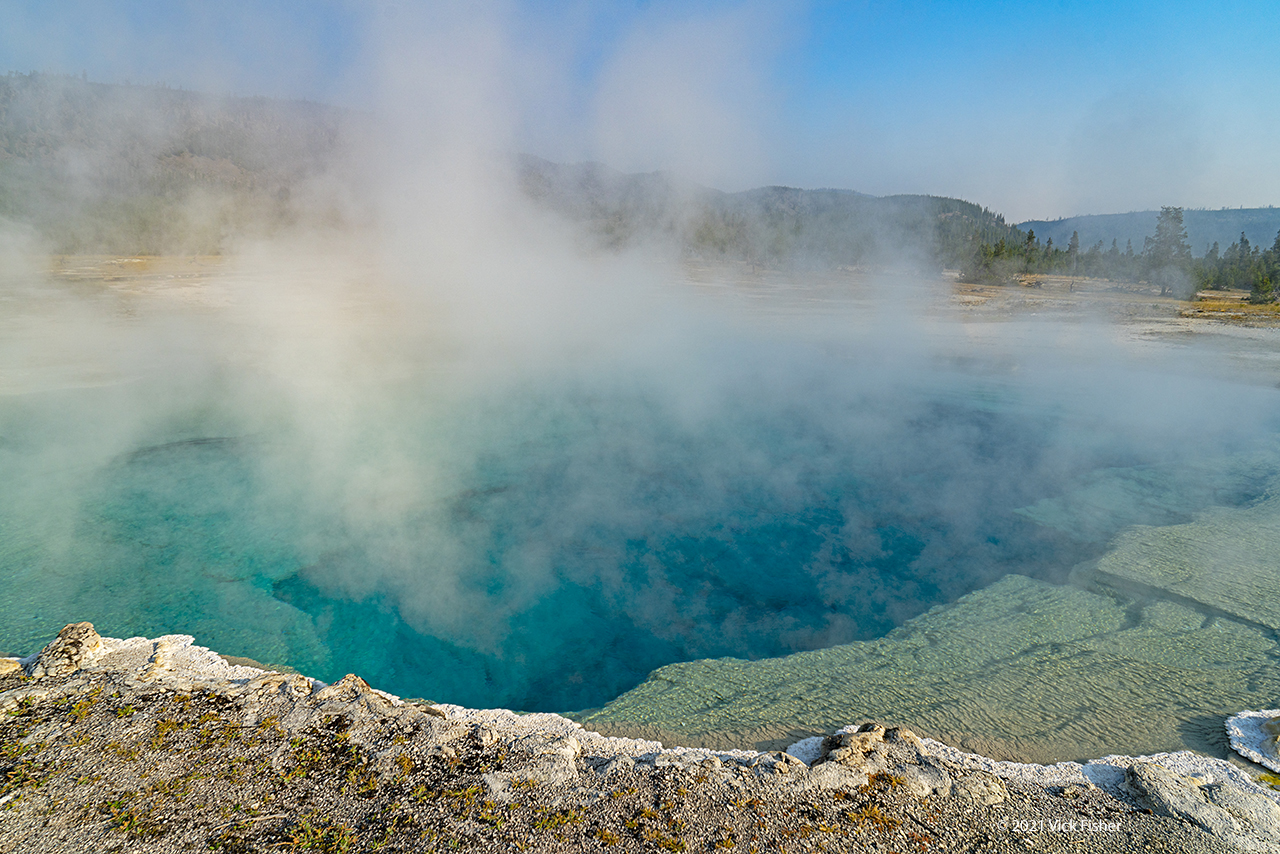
545	762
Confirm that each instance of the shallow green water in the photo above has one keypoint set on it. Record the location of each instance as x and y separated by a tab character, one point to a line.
571	539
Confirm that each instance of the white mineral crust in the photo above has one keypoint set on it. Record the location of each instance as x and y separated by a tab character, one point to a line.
1253	736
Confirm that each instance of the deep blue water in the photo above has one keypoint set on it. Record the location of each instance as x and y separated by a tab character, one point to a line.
544	548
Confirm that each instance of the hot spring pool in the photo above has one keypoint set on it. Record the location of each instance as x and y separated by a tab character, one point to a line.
546	544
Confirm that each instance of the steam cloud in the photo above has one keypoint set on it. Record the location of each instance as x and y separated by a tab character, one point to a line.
505	469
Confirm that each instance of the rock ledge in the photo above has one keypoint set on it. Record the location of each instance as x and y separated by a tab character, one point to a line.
85	699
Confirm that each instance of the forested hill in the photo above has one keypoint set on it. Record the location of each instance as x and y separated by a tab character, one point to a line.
135	169
773	226
98	168
1204	228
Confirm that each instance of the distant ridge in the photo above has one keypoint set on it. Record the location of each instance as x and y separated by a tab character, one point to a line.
1204	227
773	226
104	168
96	167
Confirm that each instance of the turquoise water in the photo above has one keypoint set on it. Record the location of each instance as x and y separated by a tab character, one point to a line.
545	545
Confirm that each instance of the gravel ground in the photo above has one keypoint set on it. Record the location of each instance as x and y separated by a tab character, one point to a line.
103	763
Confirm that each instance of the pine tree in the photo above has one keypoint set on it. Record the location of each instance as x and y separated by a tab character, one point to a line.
1265	273
1168	254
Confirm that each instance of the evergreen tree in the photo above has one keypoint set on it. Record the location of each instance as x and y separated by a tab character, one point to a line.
1209	274
1167	253
1265	274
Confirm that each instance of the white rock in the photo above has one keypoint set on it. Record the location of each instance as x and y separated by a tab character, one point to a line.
830	775
807	750
1252	736
981	788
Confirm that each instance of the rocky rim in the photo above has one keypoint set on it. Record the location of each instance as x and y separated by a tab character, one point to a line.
158	745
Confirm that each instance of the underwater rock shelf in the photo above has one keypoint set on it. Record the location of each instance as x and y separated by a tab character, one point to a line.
1148	649
1019	670
166	746
1224	560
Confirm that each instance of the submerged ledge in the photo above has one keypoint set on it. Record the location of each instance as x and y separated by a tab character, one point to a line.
1146	650
1021	670
107	738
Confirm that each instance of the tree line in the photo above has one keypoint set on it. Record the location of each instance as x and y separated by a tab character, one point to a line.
1165	260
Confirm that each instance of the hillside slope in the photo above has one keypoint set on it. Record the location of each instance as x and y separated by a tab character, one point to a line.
98	168
772	226
144	169
1204	227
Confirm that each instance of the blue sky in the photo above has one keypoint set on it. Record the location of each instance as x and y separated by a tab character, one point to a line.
1034	109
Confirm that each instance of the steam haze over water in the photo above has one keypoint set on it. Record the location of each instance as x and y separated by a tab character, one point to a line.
425	430
314	478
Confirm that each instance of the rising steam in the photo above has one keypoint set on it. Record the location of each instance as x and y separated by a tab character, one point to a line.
422	428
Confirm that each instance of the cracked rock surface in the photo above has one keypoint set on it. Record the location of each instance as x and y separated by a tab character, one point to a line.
158	745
